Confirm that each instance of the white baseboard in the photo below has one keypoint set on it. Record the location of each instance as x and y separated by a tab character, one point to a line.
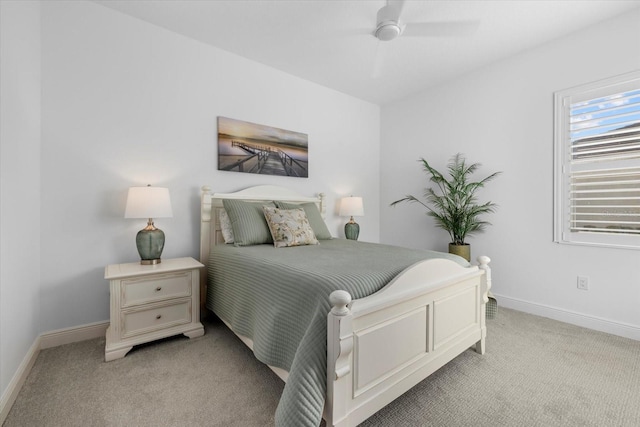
45	340
11	393
579	319
71	335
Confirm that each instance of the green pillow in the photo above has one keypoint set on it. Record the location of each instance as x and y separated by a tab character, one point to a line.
313	215
248	222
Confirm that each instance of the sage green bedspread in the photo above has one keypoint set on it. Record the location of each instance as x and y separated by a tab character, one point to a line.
279	297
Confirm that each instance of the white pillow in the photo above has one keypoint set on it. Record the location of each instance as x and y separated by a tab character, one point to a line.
225	227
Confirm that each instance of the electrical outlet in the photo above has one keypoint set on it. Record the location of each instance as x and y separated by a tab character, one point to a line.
583	283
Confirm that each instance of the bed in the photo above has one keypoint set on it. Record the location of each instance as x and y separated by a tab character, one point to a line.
347	337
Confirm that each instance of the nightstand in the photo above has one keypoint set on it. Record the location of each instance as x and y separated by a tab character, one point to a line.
149	302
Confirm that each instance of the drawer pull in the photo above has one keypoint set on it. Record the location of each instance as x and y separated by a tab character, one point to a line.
159	316
159	288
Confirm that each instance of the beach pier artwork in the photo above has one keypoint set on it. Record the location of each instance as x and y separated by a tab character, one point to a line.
253	148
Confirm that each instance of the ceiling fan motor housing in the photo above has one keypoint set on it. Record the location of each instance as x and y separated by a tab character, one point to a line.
388	30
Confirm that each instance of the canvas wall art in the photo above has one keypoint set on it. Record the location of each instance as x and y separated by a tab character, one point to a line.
253	148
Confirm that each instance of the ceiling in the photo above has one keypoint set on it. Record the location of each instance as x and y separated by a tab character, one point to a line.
331	42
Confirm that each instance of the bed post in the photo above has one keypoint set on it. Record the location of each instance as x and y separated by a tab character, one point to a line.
485	283
205	241
323	206
339	348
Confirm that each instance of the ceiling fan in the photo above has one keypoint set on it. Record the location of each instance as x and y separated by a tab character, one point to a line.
389	26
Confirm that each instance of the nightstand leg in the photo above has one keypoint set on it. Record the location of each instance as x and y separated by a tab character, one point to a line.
116	354
195	333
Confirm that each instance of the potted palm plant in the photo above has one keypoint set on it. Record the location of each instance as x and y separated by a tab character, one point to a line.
452	203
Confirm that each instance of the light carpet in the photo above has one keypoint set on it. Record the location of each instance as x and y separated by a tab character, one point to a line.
536	372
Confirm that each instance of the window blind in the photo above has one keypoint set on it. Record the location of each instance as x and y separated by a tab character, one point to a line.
604	164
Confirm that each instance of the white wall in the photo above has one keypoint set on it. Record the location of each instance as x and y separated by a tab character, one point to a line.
128	103
19	184
502	117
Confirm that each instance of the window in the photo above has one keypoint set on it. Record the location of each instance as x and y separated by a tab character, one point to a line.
597	163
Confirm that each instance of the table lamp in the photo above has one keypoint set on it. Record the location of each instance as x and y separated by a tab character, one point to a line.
351	206
149	202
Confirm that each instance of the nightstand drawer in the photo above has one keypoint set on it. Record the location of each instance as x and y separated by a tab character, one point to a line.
160	287
156	317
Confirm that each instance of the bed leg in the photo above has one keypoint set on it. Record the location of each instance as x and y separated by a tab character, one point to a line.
484	295
339	348
206	228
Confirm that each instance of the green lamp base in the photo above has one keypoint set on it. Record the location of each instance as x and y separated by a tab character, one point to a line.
150	243
352	230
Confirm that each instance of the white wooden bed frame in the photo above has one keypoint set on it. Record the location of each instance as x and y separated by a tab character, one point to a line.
380	346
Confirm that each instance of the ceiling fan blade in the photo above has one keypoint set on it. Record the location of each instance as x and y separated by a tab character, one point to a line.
382	49
441	29
391	12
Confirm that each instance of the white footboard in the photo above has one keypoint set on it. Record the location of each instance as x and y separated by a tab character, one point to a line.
382	345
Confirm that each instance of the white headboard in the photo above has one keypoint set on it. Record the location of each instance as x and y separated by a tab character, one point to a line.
211	205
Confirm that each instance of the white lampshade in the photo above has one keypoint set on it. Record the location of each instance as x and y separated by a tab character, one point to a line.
148	202
351	206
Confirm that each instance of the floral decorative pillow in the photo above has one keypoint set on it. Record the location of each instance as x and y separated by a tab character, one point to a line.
225	226
313	215
289	227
